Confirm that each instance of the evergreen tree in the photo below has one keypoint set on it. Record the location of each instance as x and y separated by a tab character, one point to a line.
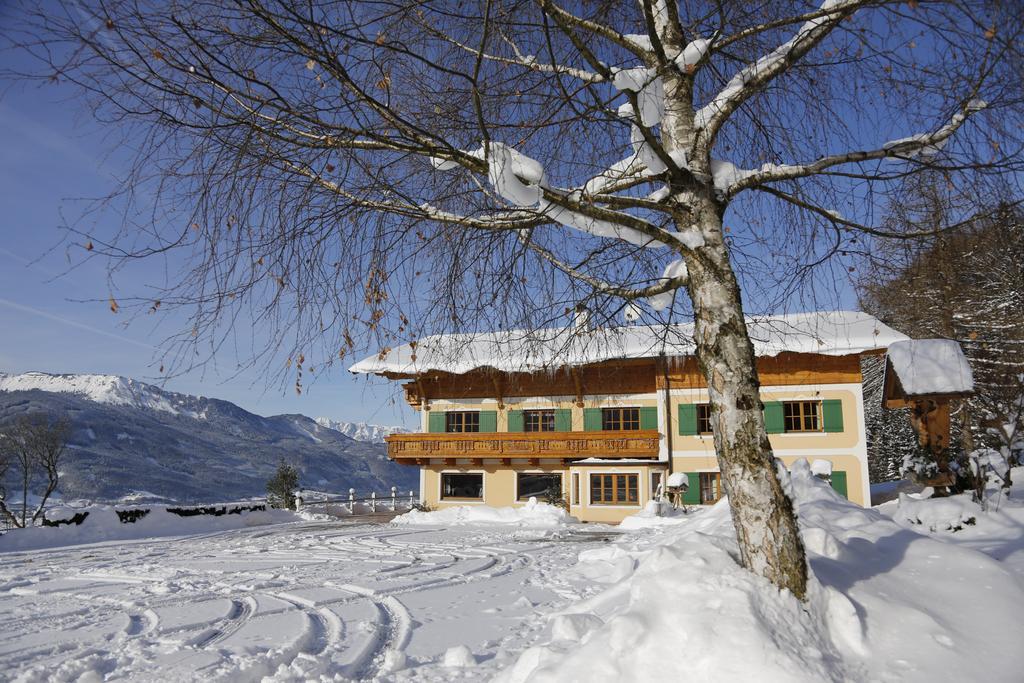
281	487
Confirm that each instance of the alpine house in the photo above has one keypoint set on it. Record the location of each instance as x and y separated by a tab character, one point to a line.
600	418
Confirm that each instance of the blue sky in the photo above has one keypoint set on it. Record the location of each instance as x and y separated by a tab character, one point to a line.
51	156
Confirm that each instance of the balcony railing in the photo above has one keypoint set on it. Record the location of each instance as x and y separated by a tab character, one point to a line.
530	445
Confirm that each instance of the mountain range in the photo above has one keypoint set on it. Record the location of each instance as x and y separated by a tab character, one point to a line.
130	437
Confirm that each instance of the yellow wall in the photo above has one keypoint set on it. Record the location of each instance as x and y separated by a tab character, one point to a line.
810	441
610	514
499	482
500	487
556	402
846	463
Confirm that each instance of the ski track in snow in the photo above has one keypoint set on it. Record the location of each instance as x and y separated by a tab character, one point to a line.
291	601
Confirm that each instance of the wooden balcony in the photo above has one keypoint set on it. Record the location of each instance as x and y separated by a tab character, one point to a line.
534	446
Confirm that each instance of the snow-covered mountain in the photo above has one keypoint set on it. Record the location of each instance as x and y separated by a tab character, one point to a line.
361	431
130	436
109	389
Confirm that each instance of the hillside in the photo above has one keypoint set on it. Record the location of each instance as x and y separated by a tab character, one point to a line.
131	436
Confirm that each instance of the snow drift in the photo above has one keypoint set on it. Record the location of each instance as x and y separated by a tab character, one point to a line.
533	514
103	524
885	603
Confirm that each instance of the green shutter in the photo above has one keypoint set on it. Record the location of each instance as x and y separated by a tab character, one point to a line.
592	419
839	483
832	415
648	418
563	420
488	420
692	495
774	418
688	419
515	421
435	422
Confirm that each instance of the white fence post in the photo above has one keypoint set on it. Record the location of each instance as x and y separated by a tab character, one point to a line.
373	501
394	498
411	502
351	501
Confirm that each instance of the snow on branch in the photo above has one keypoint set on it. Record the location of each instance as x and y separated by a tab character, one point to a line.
754	76
921	145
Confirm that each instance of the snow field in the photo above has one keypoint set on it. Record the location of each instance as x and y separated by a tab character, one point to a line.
287	602
102	524
885	604
480	596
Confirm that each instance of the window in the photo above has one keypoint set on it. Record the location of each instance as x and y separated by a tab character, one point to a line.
462	486
710	487
575	488
614	489
802	416
620	419
703	418
538	420
463	421
540	486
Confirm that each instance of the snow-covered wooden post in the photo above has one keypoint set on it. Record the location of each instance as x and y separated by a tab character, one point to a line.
412	499
351	501
394	498
373	501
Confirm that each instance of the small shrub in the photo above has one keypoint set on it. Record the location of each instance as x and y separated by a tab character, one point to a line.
131	516
75	519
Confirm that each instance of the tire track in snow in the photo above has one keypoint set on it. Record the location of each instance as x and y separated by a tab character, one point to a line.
241	612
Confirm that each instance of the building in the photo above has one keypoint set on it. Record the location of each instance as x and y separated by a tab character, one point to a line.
603	416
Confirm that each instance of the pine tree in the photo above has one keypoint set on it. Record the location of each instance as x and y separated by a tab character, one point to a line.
282	486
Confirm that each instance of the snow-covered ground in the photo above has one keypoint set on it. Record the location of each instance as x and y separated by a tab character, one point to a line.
475	596
295	600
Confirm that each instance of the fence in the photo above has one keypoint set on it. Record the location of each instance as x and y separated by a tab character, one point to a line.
352	505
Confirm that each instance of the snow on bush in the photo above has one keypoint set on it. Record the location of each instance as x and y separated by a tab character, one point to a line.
938	514
884	603
532	514
104	524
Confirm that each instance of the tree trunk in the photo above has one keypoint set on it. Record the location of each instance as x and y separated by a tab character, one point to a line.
766	528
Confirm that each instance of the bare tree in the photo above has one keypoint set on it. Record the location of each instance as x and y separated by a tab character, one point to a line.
36	443
341	173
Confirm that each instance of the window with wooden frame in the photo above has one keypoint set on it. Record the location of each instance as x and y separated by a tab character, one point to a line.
703	418
538	420
614	489
462	486
710	487
538	485
802	416
620	419
462	421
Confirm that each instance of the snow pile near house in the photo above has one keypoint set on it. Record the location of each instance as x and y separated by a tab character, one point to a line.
532	514
109	389
102	524
885	603
931	366
658	514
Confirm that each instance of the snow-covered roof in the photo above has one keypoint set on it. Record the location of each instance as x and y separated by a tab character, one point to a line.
833	333
931	366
